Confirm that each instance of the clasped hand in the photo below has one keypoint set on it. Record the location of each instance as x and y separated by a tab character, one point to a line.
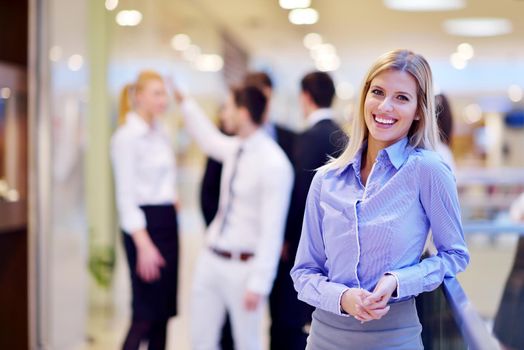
366	306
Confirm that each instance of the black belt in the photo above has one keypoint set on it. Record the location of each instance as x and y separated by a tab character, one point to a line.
243	256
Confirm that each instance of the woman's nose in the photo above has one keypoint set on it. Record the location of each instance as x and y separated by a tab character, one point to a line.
385	105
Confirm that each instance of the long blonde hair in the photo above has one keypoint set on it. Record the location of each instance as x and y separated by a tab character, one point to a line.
423	132
130	90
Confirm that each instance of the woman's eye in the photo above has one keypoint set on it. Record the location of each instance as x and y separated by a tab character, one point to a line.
403	98
377	92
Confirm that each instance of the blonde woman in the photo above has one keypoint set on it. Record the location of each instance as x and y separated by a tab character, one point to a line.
368	214
144	171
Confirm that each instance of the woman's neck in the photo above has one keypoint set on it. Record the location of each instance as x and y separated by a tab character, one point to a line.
371	153
147	117
368	159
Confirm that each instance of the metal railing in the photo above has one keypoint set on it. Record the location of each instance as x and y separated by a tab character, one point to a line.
450	321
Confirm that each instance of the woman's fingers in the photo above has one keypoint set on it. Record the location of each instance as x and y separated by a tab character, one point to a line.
368	315
377	300
149	271
162	261
376	304
358	318
363	314
379	313
143	272
365	306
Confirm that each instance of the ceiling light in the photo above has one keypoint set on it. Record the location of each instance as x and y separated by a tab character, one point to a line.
328	64
5	93
180	42
311	40
75	62
55	53
425	5
515	93
466	51
472	113
345	91
111	4
192	52
457	61
478	27
128	18
323	50
303	16
209	63
294	4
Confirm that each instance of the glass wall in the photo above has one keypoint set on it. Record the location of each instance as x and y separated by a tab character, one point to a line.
58	144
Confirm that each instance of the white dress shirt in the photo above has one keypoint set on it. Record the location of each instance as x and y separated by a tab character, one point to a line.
144	170
261	192
319	115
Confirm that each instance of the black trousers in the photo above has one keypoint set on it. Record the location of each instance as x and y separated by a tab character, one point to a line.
288	314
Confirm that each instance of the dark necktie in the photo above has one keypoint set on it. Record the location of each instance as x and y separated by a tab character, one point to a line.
231	193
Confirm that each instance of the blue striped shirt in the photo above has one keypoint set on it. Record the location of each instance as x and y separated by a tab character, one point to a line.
353	234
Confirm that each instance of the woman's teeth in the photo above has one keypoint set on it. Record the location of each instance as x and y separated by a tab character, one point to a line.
385	121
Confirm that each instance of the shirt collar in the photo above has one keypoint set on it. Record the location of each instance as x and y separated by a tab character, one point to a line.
136	122
319	115
253	139
397	154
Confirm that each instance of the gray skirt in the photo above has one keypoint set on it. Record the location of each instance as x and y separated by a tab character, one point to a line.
399	329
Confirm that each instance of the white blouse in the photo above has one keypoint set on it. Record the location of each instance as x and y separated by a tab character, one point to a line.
144	170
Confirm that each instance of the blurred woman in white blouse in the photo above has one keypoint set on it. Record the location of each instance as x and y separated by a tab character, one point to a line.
144	171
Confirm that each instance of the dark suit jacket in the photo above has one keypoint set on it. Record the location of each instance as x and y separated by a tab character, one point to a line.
312	150
286	141
210	190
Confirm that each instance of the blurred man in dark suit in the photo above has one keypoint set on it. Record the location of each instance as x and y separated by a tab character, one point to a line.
283	136
323	138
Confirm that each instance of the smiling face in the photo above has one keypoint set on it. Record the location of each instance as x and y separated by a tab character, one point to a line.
390	107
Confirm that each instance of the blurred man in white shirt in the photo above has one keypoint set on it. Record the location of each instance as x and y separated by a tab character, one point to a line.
237	267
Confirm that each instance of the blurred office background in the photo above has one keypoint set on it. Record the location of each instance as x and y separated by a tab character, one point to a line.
63	280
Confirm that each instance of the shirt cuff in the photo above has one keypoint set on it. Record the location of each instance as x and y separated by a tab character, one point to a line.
398	286
408	281
332	297
133	222
340	311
